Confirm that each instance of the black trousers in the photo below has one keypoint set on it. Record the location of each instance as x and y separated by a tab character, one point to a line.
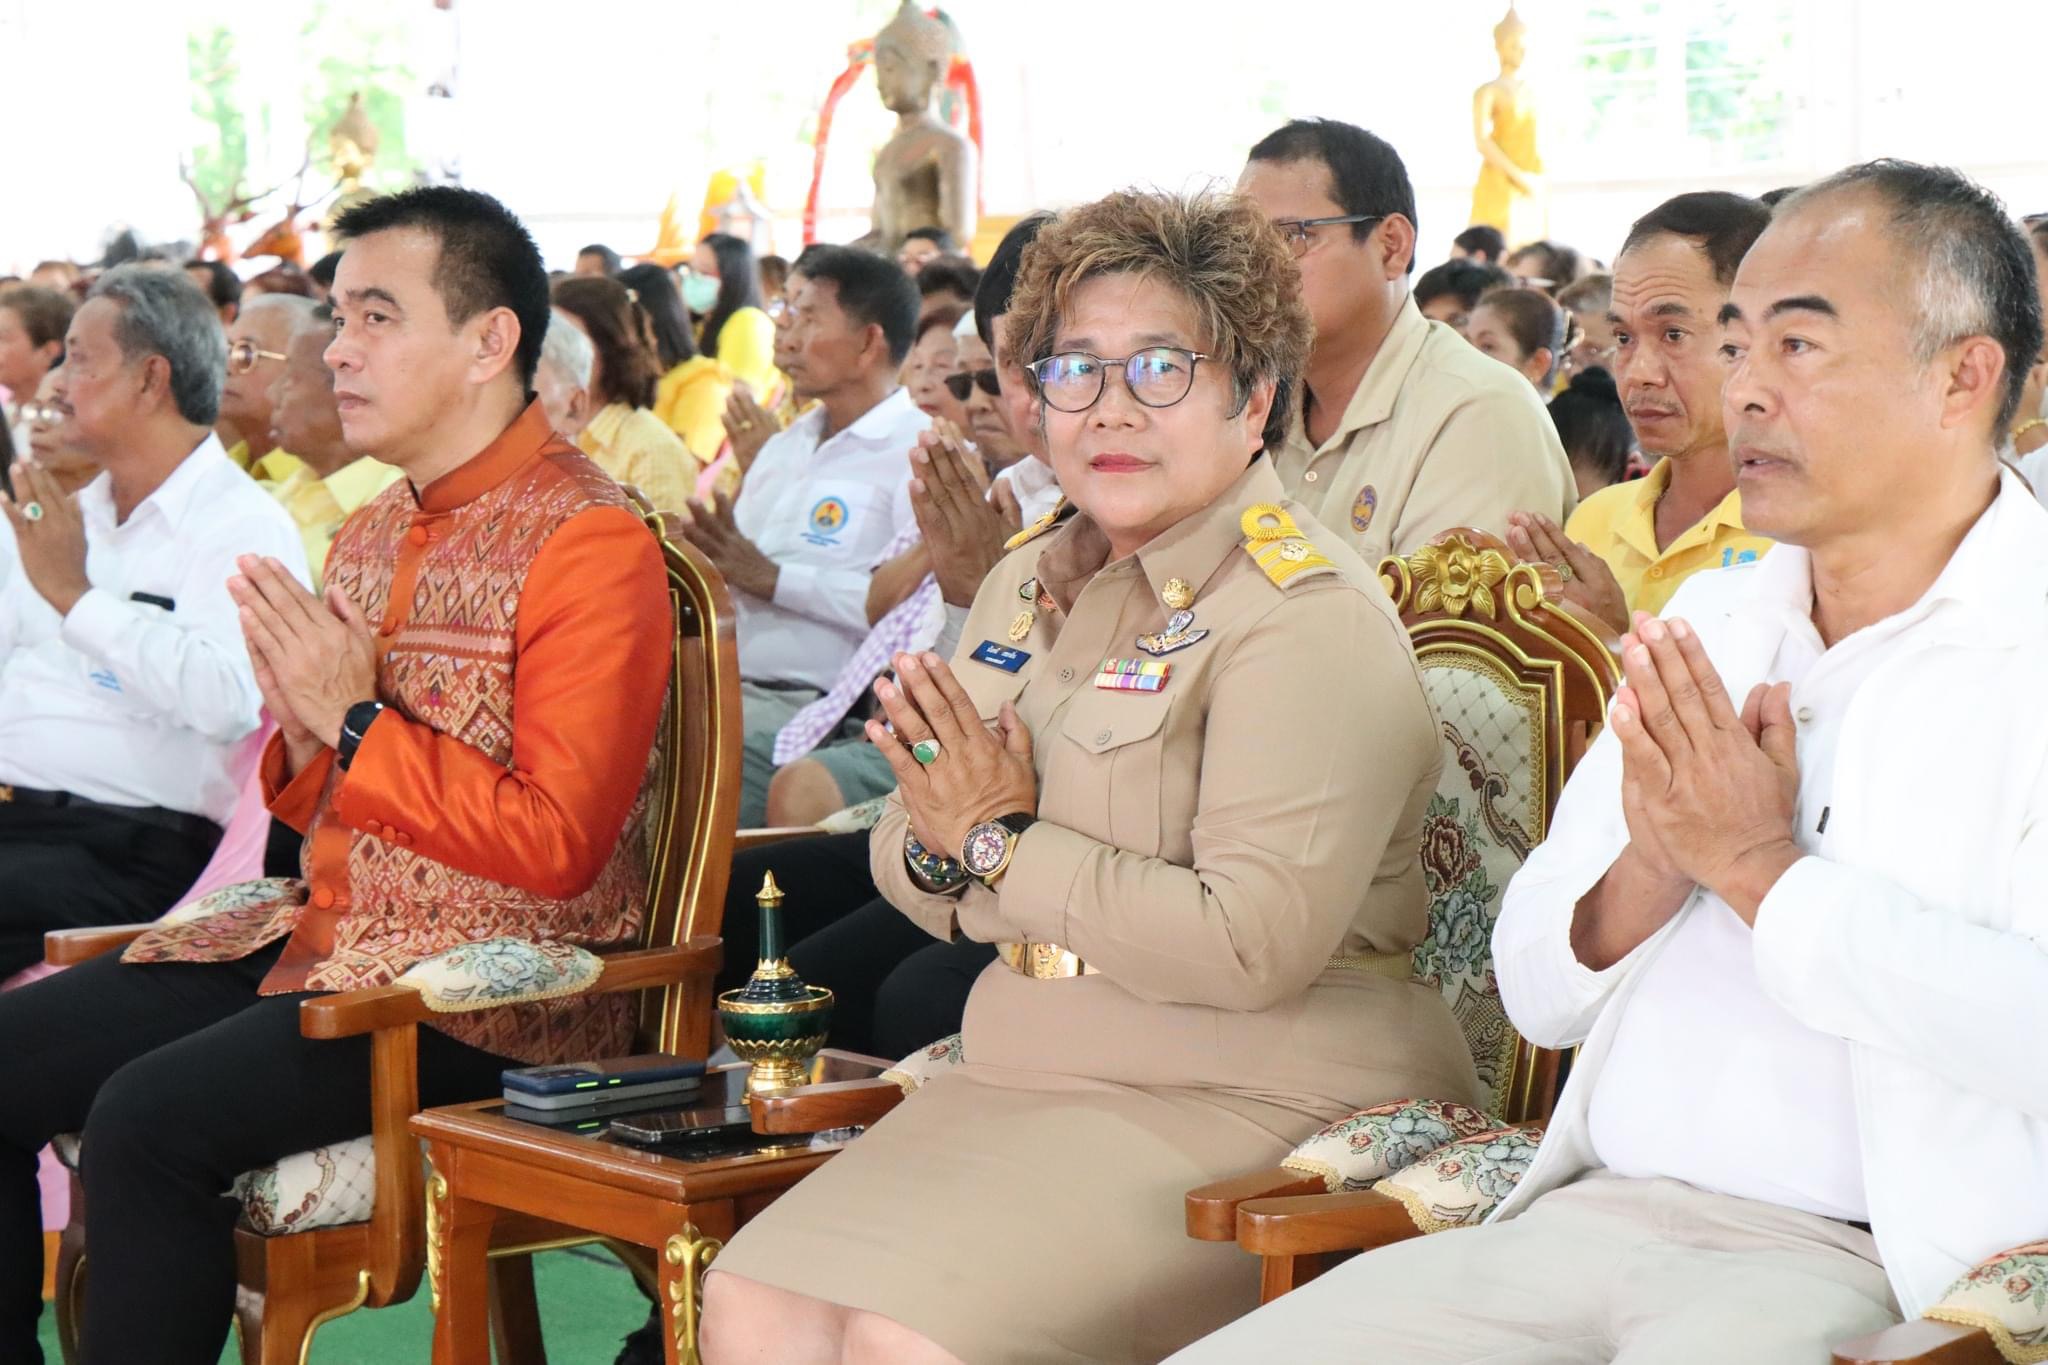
898	988
181	1077
65	867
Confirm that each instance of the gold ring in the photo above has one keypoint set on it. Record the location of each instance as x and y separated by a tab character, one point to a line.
32	512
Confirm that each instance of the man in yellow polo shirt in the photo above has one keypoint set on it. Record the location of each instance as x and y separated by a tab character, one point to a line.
330	481
1630	545
256	342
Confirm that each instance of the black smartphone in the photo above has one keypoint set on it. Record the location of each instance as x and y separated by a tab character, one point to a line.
685	1127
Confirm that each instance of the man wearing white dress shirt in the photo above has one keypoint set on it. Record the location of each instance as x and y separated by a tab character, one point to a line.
824	498
1790	907
124	682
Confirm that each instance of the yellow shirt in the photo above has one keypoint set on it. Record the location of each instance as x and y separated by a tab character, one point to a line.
633	446
746	347
319	506
690	399
273	468
1619	523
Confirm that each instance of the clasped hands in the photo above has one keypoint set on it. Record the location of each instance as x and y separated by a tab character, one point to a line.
314	656
982	771
712	528
1709	793
963	524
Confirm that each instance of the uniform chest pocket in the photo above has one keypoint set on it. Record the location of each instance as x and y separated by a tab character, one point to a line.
1104	775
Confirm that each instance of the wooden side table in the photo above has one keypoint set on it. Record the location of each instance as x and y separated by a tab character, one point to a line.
487	1169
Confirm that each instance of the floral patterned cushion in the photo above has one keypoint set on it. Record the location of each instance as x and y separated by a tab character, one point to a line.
1482	820
2007	1296
323	1188
264	891
1374	1143
854	819
920	1066
1459	1184
501	971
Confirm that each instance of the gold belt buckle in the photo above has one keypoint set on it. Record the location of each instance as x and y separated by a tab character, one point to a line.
1042	961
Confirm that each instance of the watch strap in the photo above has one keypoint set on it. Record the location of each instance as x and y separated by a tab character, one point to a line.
355	724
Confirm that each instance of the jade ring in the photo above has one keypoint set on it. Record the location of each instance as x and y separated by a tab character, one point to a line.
32	512
925	751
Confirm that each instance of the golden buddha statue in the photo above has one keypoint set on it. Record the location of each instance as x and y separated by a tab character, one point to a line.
924	174
351	148
1510	193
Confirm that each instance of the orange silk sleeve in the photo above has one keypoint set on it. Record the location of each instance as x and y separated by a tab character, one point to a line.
590	667
293	799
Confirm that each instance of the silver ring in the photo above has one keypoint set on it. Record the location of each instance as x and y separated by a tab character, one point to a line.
1564	570
32	512
926	752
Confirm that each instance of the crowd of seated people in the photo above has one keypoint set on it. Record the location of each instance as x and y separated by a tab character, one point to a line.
1082	776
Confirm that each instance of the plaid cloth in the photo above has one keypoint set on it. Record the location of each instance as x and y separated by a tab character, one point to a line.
902	628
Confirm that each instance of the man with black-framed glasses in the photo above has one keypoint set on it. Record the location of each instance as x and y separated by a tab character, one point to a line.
1402	430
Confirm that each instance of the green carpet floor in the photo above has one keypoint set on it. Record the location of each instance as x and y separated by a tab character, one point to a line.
588	1302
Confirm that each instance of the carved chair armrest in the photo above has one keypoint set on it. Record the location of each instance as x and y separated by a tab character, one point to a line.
1921	1342
1212	1209
761	838
391	1015
69	947
829	1104
1297	1225
349	1013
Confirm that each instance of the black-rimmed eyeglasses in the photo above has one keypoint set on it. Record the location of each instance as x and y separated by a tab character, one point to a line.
1295	231
964	382
1158	377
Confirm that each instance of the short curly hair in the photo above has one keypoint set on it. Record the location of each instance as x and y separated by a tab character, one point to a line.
1216	250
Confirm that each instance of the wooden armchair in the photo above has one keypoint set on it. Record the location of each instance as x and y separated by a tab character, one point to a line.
1996	1313
294	1280
1520	682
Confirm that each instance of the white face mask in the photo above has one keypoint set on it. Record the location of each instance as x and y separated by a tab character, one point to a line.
700	292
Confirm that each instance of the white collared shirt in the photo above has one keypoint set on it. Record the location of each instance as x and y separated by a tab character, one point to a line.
1914	931
824	510
129	701
1710	1081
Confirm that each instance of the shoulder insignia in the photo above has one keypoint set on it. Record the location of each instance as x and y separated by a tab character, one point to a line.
1037	528
1277	546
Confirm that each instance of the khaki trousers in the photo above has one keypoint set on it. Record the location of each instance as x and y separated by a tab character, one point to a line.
1645	1272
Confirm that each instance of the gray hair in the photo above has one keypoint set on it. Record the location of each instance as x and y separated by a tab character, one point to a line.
1972	268
164	313
298	307
568	349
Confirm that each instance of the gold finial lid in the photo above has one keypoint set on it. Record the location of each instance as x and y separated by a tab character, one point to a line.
770	893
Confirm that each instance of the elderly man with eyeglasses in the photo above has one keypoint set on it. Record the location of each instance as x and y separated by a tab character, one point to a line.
125	687
257	340
1402	430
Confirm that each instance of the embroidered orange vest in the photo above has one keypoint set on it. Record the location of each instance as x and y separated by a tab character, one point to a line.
447	663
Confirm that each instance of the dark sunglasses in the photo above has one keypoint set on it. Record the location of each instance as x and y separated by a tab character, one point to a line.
963	383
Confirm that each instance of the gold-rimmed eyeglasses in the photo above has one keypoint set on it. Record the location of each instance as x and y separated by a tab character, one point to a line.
243	355
37	414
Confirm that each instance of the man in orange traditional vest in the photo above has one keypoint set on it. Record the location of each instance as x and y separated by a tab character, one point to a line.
465	731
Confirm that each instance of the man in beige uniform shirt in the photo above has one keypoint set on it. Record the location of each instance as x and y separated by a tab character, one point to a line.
1403	430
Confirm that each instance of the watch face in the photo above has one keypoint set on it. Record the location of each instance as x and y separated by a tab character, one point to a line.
986	846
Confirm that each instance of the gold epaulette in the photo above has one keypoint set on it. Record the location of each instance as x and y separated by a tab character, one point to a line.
1277	546
1039	527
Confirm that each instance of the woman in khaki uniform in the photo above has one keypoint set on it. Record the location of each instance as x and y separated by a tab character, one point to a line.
1179	765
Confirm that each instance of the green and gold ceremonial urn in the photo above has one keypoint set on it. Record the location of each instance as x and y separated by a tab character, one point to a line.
775	1021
